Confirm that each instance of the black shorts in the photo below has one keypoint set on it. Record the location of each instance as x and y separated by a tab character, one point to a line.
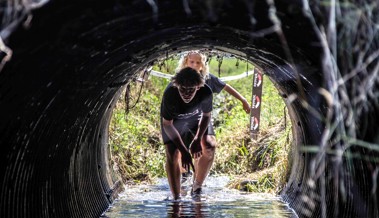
187	129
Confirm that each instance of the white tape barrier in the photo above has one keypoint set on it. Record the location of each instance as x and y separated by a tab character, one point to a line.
227	78
160	74
240	76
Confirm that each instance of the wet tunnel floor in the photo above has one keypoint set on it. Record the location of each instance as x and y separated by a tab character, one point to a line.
216	201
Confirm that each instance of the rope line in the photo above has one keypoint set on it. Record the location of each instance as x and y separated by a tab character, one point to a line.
227	78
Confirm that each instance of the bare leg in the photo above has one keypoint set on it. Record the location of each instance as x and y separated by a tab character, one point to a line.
204	163
173	169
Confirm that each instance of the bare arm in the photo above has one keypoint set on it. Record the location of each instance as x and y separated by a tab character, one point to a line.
173	134
238	96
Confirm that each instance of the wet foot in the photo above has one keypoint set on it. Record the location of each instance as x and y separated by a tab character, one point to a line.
186	177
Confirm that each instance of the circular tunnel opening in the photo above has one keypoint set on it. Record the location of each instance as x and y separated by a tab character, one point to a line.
137	152
88	65
65	75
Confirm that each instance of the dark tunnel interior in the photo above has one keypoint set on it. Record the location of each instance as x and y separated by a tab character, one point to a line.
67	68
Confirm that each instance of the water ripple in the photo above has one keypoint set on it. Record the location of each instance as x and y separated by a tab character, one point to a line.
216	201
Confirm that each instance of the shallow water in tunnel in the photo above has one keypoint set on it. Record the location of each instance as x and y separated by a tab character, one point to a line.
216	201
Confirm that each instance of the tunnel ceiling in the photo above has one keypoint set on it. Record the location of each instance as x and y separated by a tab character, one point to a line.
68	65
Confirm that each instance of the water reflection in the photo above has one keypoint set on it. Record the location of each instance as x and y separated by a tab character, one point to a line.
186	209
217	201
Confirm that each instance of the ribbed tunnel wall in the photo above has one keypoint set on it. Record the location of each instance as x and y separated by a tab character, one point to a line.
58	90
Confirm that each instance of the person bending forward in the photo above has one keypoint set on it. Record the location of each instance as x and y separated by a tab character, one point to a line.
186	112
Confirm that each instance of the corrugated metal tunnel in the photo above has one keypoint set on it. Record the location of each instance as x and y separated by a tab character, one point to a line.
57	94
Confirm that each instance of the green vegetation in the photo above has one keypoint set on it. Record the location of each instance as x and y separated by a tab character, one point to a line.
139	155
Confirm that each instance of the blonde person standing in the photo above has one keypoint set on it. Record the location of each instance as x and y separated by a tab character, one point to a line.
197	61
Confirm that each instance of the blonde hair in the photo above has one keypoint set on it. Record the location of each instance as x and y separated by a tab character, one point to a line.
183	63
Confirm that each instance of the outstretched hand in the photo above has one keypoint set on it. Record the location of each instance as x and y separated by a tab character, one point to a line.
246	106
187	161
195	148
